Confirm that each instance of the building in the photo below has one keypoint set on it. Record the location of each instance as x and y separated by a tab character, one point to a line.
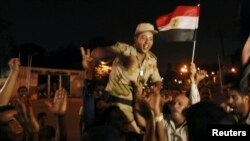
42	82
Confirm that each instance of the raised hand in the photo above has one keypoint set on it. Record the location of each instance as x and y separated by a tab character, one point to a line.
7	89
144	109
193	69
200	75
196	76
59	105
26	114
14	64
87	60
154	100
138	90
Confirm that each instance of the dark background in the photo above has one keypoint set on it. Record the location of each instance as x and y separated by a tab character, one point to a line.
51	31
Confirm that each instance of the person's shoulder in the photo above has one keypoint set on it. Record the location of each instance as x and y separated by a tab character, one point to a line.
151	55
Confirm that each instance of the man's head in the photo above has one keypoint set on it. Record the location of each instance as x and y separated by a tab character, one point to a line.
10	127
22	91
145	27
205	94
179	105
238	97
144	37
239	102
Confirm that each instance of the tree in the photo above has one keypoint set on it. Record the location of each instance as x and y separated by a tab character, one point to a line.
30	50
65	58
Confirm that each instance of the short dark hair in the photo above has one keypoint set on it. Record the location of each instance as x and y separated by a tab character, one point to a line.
21	87
5	108
4	136
236	82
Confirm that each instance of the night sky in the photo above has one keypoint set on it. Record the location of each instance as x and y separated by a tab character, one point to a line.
53	24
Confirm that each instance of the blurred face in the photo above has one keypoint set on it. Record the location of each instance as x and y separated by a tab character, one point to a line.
205	95
179	103
10	125
166	96
238	103
22	92
144	42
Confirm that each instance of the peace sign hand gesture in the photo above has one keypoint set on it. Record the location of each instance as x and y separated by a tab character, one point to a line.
87	60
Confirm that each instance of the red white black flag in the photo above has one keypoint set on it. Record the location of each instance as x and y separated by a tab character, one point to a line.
179	25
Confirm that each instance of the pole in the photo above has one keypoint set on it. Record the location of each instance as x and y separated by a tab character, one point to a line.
220	74
48	86
28	74
60	82
195	32
194	44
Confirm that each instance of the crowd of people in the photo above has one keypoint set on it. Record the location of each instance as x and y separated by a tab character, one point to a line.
133	106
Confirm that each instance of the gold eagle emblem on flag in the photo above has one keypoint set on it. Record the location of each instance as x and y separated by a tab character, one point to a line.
176	23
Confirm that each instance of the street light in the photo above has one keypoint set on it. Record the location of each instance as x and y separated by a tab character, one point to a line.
233	70
213	76
184	69
212	73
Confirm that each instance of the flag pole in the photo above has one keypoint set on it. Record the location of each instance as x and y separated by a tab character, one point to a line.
220	74
195	33
194	43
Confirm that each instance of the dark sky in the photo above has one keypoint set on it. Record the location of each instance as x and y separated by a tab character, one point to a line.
56	23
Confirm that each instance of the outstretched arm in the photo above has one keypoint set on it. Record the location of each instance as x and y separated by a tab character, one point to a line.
148	110
59	107
143	113
88	112
27	118
7	89
100	53
155	103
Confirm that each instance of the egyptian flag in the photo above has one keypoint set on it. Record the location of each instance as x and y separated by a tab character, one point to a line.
180	25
